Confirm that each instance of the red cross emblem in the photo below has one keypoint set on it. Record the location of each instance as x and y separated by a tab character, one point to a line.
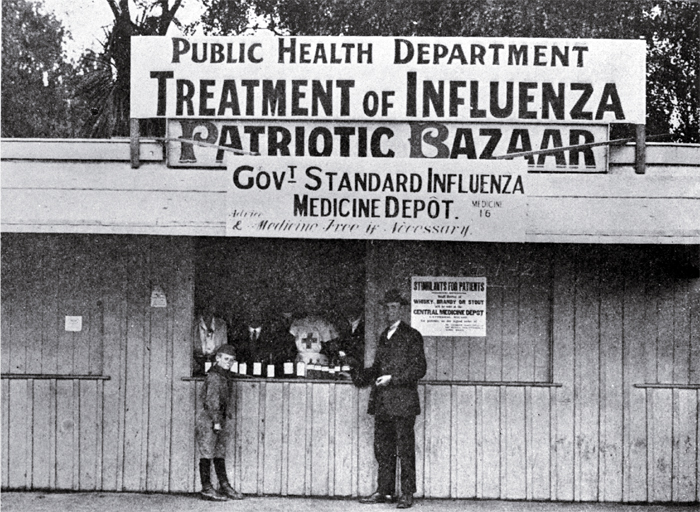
308	340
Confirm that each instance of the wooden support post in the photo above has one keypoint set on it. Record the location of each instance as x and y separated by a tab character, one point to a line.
135	136
640	152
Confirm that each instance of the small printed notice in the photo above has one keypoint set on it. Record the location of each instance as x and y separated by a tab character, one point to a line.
74	323
449	306
158	299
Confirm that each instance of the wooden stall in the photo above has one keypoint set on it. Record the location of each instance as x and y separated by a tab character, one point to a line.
581	384
586	387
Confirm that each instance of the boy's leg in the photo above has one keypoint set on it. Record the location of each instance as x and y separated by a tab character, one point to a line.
208	492
224	486
204	473
206	444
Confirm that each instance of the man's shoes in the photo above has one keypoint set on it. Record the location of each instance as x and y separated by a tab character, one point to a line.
405	501
230	492
209	494
377	497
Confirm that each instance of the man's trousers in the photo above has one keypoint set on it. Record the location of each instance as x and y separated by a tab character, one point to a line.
394	436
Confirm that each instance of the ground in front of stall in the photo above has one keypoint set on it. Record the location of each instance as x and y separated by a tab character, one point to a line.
139	502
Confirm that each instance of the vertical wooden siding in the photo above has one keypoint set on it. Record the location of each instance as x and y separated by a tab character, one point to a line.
519	294
70	428
614	318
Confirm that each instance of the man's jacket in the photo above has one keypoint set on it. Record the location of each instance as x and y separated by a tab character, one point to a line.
403	358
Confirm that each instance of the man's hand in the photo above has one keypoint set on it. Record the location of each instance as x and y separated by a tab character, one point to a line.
383	380
217	427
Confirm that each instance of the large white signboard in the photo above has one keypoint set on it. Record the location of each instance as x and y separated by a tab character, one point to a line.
449	306
503	80
415	140
289	197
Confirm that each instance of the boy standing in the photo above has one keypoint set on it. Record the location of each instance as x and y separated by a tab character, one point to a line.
212	428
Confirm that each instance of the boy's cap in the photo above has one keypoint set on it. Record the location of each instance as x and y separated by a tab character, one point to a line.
226	349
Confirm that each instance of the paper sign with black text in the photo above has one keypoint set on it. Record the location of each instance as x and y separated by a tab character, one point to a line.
505	80
417	140
449	306
377	199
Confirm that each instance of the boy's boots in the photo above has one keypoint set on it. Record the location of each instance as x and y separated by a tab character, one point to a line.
208	492
224	487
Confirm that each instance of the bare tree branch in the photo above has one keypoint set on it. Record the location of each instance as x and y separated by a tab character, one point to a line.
168	15
115	9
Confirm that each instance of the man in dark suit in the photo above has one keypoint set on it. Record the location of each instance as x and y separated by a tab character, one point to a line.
398	365
259	342
349	346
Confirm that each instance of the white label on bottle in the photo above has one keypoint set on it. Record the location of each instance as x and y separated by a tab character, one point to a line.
242	368
270	370
257	368
301	370
234	367
288	368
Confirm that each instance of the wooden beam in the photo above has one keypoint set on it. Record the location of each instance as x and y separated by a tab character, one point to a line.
52	376
640	154
135	135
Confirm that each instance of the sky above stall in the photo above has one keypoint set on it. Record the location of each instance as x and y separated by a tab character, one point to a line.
87	20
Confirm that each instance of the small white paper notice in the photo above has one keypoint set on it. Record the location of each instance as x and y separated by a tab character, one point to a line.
74	323
158	299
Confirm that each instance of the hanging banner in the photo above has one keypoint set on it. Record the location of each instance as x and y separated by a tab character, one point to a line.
415	140
501	80
449	306
292	197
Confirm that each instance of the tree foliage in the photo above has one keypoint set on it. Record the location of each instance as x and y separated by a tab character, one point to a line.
43	95
107	75
36	77
670	29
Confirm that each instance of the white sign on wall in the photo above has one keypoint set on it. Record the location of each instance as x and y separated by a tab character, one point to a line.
158	298
503	80
74	323
449	306
417	140
386	199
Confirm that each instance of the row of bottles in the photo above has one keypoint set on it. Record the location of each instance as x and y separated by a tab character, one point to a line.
290	370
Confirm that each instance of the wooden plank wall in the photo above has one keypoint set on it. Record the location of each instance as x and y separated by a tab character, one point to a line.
518	307
620	425
614	317
103	408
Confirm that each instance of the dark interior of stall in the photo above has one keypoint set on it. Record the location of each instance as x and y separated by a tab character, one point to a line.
278	280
